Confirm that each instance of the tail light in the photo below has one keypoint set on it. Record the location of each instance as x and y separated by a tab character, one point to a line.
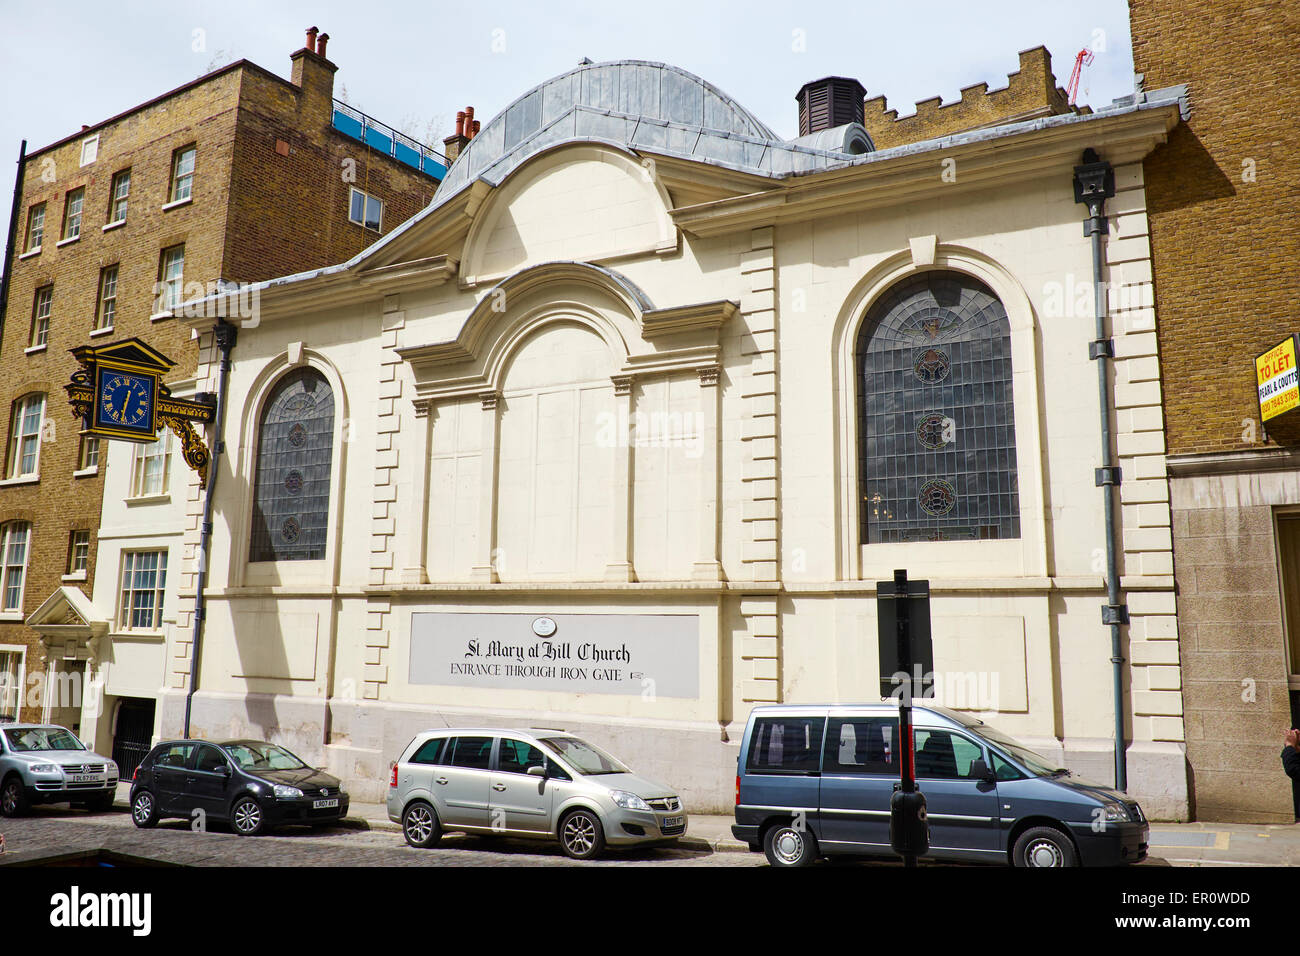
135	773
737	789
393	782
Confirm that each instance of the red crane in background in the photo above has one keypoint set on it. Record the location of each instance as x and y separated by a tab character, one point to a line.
1082	59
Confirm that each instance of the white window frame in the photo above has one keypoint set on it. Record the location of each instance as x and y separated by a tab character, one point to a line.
8	566
89	145
366	199
20	439
78	196
170	289
114	200
88	455
39	207
42	308
7	650
106	295
78	562
182	181
127	589
159	453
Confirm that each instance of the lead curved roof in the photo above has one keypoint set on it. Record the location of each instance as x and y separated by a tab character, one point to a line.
638	90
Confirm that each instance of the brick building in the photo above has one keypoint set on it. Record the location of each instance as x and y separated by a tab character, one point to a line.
1031	92
237	176
1223	204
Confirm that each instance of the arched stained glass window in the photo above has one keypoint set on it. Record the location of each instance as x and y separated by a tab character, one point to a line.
936	426
291	484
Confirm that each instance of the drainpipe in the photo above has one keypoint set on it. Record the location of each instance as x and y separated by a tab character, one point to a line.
224	333
13	232
1094	183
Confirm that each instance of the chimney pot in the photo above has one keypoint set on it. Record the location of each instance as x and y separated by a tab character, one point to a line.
475	130
460	123
311	38
320	43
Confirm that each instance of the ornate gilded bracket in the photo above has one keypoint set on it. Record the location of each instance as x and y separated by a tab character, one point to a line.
193	448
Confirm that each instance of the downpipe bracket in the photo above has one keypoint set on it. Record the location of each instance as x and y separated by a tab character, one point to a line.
1115	614
1109	475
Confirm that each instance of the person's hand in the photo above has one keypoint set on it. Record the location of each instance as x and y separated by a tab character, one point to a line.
1293	738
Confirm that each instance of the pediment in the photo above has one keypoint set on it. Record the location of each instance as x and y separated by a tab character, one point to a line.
131	351
589	203
68	611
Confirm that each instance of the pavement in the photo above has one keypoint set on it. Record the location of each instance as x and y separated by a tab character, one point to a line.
1171	844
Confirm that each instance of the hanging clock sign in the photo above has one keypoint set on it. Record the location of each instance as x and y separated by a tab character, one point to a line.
125	403
118	394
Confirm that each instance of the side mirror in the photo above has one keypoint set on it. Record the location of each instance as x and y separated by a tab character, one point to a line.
224	770
979	770
537	771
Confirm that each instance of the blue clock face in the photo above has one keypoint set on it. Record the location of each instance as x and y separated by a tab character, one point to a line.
126	401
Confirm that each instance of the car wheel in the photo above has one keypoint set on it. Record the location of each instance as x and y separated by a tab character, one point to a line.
144	811
13	797
246	817
1044	846
581	835
420	825
788	845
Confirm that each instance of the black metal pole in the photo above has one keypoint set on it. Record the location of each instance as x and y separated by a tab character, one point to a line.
907	775
1094	182
224	334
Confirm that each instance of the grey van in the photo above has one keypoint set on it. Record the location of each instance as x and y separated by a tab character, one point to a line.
816	780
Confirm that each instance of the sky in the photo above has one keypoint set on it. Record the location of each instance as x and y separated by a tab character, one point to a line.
414	63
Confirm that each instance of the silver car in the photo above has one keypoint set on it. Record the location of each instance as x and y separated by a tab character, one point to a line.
543	784
45	763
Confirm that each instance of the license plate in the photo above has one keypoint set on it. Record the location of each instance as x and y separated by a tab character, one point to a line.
324	804
672	822
84	778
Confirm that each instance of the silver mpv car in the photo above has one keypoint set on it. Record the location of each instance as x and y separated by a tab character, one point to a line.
543	784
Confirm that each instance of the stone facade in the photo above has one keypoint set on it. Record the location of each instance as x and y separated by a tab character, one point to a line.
565	284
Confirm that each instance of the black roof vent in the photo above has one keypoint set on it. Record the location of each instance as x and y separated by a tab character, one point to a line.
829	102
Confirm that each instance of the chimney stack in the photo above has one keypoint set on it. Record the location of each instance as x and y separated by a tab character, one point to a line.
314	77
829	102
466	128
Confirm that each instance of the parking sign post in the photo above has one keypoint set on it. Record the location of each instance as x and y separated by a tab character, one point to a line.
909	831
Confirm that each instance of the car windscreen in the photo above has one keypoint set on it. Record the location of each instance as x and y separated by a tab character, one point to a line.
583	757
1035	762
39	739
257	756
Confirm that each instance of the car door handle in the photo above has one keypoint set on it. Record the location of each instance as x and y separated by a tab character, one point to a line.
442	780
498	786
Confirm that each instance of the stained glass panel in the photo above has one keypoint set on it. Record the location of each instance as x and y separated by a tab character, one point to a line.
937	435
292	482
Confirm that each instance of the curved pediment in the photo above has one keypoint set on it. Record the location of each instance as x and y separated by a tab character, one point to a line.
577	202
645	338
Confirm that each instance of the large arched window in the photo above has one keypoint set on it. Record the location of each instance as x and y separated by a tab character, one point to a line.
291	484
936	427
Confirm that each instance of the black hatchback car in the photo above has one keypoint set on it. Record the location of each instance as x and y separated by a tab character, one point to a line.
251	784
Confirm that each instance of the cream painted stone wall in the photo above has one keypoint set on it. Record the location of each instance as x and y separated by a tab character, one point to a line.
480	477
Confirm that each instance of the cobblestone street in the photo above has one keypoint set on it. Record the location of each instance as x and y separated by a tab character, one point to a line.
51	831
